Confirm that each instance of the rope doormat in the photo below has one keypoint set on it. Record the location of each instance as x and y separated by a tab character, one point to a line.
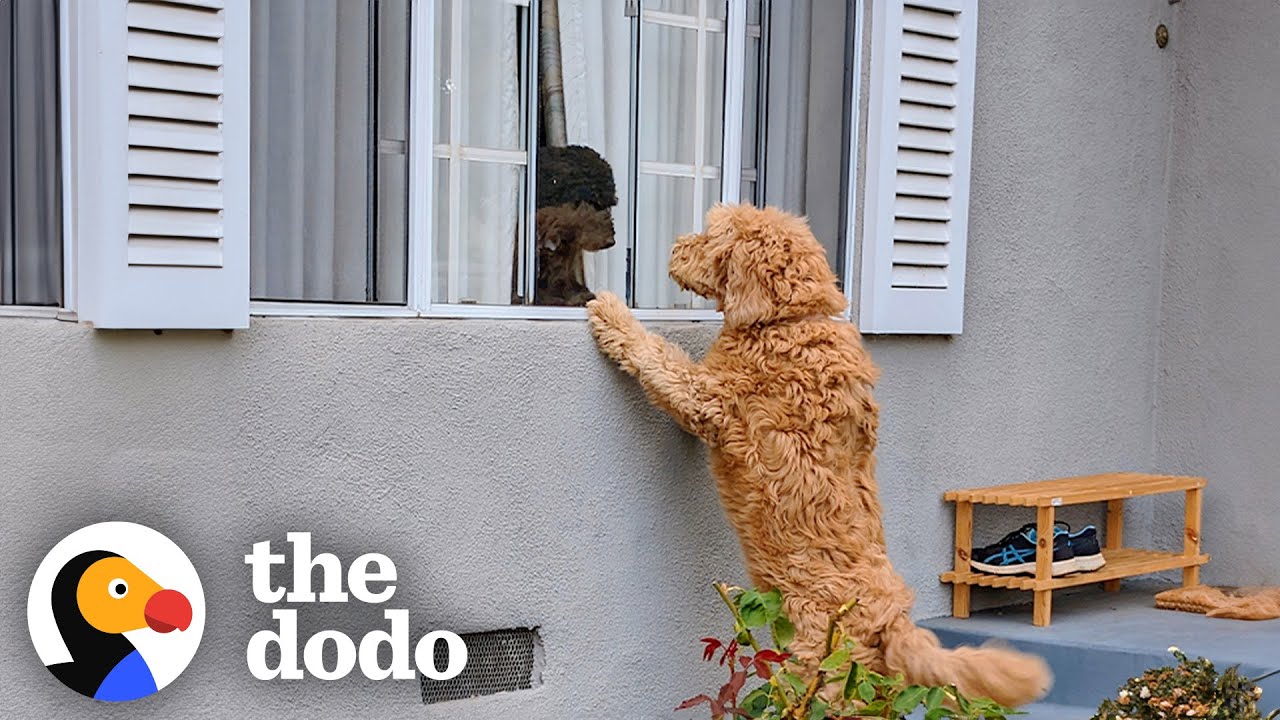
1258	603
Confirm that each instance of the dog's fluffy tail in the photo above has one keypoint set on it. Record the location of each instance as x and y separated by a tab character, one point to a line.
1003	674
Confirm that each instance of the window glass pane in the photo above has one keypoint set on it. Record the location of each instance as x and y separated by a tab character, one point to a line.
678	7
714	120
329	172
480	176
667	211
805	158
392	220
490	205
751	112
30	206
484	74
668	93
442	84
584	81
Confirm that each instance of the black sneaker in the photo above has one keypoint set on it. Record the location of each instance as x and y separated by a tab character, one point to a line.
1085	548
1015	554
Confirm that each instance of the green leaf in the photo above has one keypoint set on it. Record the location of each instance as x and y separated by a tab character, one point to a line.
933	700
752	608
791	681
756	702
866	691
783	632
938	712
835	660
875	709
817	710
851	682
772	602
909	698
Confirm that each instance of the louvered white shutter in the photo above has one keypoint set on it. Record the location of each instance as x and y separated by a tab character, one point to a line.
160	157
916	213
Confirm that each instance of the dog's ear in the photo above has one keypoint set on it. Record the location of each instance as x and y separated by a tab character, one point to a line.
775	270
553	228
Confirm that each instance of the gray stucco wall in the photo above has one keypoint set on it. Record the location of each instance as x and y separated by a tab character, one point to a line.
1219	391
516	479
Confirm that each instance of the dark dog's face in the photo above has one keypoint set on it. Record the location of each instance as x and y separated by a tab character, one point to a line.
758	264
574	227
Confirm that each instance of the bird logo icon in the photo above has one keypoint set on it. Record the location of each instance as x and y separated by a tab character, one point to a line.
116	611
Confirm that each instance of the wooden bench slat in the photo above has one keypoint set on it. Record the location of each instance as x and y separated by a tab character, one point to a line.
1076	490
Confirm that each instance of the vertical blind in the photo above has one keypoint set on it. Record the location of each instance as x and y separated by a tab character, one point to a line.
329	135
30	205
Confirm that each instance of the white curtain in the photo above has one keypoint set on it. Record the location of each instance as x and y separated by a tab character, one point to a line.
595	40
30	206
803	159
311	157
479	109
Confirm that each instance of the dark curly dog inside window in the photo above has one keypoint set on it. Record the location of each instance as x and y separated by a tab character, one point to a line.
576	194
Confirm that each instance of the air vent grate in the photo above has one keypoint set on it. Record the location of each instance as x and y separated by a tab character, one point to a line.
497	661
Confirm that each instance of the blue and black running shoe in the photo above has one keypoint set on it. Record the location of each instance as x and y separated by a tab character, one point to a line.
1015	554
1085	548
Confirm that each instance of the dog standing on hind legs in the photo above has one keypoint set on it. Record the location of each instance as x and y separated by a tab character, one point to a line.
783	400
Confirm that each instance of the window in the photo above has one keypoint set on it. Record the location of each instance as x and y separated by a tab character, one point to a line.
30	205
329	135
569	142
459	158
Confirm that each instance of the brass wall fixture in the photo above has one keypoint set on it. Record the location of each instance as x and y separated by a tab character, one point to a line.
1162	36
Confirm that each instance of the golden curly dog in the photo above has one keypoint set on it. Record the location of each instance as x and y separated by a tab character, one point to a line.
783	399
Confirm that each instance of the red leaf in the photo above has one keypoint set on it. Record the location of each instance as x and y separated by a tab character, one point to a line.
772	656
762	669
730	652
729	691
693	702
745	660
712	645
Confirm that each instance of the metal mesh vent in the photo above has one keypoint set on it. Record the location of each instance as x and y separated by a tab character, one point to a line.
497	661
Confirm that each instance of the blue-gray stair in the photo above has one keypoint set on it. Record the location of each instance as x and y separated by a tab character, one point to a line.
1048	711
1099	640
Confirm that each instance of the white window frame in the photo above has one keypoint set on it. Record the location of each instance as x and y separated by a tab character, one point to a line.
65	311
422	155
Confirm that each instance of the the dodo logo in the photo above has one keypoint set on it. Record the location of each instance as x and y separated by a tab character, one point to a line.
116	611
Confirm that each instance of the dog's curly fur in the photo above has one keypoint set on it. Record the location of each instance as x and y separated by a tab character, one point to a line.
783	399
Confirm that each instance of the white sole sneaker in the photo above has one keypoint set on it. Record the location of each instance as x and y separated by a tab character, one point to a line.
1089	563
1061	567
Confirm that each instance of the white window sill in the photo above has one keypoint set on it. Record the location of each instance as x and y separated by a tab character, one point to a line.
36	311
489	312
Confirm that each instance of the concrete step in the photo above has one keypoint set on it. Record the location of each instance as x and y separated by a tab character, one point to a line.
1039	711
1049	711
1099	640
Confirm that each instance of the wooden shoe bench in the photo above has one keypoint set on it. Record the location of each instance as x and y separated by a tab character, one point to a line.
1046	497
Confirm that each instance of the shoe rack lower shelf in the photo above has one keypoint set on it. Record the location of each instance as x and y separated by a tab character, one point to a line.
1121	563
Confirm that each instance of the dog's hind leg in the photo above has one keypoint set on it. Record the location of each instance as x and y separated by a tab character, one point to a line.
673	382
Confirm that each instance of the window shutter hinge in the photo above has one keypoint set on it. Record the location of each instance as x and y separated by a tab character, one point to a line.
632	8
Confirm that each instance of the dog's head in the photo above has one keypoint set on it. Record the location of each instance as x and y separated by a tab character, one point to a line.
573	228
759	265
